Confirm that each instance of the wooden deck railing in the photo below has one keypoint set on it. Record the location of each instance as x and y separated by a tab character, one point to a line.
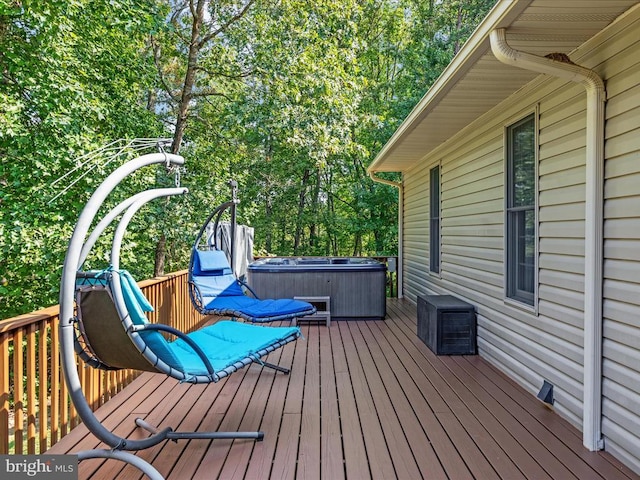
35	408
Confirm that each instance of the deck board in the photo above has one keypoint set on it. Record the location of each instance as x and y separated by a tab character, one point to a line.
263	452
310	431
477	419
445	402
405	437
437	443
364	400
379	458
331	463
356	464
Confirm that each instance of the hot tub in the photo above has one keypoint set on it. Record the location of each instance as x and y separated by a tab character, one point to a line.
356	285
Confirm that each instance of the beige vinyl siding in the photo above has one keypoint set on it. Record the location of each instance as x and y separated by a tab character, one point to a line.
547	343
528	346
416	234
472	216
561	211
621	309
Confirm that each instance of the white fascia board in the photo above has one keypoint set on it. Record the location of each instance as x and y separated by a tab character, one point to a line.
501	16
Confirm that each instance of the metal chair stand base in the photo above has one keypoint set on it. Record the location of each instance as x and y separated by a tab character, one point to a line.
126	457
171	435
284	370
144	466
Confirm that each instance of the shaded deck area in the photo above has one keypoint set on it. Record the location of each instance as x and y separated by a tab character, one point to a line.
364	400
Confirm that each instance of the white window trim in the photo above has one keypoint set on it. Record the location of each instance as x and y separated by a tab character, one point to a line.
508	300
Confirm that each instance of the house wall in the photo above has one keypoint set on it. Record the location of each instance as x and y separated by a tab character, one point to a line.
621	309
546	342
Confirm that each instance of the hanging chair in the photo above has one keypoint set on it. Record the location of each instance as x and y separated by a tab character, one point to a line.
103	321
214	288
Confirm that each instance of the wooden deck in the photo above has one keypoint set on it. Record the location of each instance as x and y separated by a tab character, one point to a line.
364	400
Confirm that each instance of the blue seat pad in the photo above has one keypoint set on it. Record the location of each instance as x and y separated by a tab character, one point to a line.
224	343
227	342
211	262
215	286
258	308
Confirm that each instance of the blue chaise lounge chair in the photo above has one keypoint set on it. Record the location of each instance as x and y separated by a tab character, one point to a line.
214	287
215	290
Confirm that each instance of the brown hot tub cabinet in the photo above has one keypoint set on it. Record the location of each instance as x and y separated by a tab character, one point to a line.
356	286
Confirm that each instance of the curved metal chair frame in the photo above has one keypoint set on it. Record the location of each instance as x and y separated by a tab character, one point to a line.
75	341
236	311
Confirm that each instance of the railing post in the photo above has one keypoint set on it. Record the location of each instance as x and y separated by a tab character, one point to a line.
18	391
4	396
31	389
55	381
43	417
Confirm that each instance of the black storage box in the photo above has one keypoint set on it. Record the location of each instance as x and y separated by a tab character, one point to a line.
447	325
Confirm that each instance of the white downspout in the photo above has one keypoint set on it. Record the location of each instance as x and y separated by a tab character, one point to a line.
594	205
398	185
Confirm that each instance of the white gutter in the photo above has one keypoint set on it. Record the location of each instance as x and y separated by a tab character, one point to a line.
594	205
400	188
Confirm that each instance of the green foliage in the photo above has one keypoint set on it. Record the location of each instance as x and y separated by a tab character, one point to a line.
292	99
64	91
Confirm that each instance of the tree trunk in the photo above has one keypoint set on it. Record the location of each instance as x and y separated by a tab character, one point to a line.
331	232
301	200
161	253
458	28
268	211
183	112
189	78
315	208
357	245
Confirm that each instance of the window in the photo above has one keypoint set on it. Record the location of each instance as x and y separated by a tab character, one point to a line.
434	220
521	205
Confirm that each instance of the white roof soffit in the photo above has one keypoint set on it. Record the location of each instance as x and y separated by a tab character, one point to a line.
475	81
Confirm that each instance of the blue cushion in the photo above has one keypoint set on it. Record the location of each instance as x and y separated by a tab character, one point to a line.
135	300
226	342
211	262
213	276
258	308
223	285
137	304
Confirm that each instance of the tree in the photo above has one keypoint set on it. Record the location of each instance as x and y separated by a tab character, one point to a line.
293	99
63	91
195	65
